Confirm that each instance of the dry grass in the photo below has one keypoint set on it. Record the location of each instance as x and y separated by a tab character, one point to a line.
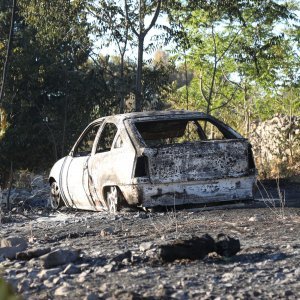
276	205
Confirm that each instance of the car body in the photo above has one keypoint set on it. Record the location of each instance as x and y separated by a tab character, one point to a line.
149	159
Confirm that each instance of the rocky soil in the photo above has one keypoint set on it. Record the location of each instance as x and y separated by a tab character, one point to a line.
116	256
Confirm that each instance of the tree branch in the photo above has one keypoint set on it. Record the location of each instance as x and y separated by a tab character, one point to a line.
154	19
128	20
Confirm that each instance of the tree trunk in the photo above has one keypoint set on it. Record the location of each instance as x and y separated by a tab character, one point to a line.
122	89
138	92
8	51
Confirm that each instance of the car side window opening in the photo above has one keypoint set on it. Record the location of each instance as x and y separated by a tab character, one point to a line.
106	137
158	133
86	143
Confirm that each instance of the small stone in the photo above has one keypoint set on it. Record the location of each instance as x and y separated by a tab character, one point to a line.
110	267
47	273
181	295
288	293
237	270
256	218
297	272
20	275
152	253
106	231
23	285
63	290
91	296
49	284
227	277
82	277
105	287
99	270
57	280
145	246
83	266
71	269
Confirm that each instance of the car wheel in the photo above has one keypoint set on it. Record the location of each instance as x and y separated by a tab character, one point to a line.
55	198
113	200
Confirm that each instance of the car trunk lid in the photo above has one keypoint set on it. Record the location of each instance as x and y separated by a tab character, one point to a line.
196	161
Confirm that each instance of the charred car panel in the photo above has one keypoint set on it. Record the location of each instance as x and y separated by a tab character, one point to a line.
154	159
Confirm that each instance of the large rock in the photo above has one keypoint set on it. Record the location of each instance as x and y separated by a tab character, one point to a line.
58	257
11	246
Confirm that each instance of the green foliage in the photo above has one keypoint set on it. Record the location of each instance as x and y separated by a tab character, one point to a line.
241	55
238	60
6	291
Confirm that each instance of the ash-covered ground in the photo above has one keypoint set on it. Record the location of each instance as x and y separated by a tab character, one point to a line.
118	257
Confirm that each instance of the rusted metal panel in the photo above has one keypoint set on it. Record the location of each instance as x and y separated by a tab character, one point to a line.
201	160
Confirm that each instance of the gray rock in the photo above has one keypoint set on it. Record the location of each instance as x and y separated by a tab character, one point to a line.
82	277
47	273
49	284
145	246
297	272
58	257
23	285
91	296
256	218
106	231
152	253
11	246
63	290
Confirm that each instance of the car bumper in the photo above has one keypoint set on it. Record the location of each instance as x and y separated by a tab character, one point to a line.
198	192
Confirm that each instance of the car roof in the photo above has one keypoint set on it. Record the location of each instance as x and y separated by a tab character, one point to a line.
150	114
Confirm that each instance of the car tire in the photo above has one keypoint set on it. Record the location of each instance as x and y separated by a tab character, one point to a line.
55	198
113	200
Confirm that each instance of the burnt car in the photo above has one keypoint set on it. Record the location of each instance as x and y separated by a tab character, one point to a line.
149	159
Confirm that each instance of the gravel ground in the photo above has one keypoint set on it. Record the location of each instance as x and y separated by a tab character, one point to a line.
119	255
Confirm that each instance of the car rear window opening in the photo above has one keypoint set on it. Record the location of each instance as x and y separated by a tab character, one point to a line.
167	132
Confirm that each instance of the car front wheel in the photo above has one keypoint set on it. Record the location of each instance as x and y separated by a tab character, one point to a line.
55	197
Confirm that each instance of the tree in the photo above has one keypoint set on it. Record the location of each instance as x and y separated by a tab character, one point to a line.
52	89
230	46
3	123
136	13
113	28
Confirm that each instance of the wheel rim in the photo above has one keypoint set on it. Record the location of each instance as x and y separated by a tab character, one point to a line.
112	200
55	196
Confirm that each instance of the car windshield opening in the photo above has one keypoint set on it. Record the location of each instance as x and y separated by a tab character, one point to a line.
168	132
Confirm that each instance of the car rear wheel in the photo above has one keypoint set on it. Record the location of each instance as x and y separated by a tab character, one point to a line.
55	197
113	200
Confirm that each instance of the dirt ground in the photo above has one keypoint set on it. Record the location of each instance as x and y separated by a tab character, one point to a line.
119	254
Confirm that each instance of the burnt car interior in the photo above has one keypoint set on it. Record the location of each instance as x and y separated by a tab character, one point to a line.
168	132
85	145
106	138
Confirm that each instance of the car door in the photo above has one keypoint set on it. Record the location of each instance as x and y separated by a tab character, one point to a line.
101	164
75	171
